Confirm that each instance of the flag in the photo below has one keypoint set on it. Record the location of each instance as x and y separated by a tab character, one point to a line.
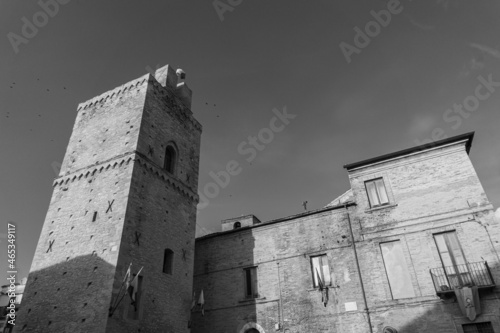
201	302
126	279
193	303
468	301
323	289
133	288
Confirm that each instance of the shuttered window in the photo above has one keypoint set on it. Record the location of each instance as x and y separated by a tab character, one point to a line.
397	270
251	290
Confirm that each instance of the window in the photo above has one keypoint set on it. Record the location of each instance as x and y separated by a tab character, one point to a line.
452	258
319	266
168	261
251	290
237	225
478	328
133	308
377	194
397	270
170	157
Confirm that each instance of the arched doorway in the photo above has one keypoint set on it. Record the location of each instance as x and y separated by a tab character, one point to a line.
252	328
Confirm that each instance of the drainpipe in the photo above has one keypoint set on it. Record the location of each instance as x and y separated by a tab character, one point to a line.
359	270
281	321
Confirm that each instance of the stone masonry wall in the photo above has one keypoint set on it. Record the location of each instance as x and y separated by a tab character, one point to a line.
111	186
220	261
430	192
106	126
69	285
161	214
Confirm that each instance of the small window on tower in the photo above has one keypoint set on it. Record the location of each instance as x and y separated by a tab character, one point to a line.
170	157
168	261
237	225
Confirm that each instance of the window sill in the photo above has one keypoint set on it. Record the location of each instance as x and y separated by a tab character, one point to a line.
380	207
407	300
317	288
250	300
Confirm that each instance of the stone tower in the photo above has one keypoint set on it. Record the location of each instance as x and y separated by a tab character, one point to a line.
126	193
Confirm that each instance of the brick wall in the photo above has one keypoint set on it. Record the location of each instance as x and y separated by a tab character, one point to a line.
113	168
220	261
430	191
162	210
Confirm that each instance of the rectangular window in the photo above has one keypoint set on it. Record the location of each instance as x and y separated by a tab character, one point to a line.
251	290
319	266
377	194
478	328
452	258
397	270
133	308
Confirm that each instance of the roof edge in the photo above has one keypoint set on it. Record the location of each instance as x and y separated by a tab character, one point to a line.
278	220
467	136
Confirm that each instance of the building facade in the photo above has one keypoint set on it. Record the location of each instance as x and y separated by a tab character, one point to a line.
393	253
411	247
126	197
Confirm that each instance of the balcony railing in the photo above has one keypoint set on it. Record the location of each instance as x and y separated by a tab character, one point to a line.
470	274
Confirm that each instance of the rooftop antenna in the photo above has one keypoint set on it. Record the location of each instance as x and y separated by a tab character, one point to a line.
304	203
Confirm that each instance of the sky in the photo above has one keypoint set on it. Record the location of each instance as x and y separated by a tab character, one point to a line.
425	70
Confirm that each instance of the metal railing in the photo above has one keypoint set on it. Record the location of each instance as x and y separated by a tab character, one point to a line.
469	274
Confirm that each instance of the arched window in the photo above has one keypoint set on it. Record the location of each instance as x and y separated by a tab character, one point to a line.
170	159
236	225
168	261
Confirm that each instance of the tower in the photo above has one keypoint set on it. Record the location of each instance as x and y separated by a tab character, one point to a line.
126	194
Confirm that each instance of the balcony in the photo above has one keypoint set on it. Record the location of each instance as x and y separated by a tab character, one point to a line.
470	274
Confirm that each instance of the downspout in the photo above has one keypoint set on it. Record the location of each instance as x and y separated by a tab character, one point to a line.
281	321
359	270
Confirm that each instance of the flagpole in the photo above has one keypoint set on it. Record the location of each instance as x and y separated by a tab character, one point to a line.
116	299
117	302
134	286
135	277
116	307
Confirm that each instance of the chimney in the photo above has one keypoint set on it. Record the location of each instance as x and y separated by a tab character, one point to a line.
185	94
167	77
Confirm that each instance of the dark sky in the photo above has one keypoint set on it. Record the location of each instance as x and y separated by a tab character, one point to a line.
264	55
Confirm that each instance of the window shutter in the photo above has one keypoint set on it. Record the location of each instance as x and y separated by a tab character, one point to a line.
254	282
